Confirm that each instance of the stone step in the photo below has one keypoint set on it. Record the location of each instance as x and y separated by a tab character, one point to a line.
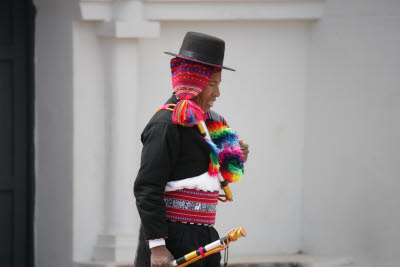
286	260
103	264
290	260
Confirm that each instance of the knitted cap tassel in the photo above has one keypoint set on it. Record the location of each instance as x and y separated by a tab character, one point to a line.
187	113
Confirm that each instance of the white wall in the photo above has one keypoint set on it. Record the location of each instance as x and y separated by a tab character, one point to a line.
264	101
53	132
261	86
103	191
90	144
343	85
352	150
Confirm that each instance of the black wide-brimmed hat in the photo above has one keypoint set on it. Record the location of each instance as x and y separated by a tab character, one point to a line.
202	48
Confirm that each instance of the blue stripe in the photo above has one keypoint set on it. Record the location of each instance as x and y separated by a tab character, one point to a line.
179	63
209	115
193	69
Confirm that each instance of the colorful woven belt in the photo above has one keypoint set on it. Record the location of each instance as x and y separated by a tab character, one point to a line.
191	206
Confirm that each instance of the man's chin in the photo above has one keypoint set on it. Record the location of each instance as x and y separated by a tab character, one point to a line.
206	109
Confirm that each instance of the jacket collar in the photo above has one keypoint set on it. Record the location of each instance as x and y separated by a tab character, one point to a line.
173	99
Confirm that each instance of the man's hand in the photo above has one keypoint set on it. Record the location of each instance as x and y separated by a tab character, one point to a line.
245	149
161	257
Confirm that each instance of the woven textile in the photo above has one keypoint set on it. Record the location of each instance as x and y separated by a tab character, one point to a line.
191	206
188	80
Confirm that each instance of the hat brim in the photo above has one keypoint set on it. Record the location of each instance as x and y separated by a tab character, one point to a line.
199	61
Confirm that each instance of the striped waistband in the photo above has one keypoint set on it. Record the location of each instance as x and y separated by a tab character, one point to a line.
191	206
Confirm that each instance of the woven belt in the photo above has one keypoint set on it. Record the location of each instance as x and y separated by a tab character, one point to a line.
191	206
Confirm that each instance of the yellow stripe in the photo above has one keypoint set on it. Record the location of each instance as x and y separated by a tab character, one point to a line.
190	256
185	86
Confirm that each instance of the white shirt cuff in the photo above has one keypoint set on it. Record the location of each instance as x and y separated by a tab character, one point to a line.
156	243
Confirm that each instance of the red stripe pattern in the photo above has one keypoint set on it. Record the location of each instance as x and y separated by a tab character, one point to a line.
189	78
191	206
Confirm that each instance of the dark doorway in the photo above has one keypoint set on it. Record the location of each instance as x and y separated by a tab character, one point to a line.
16	133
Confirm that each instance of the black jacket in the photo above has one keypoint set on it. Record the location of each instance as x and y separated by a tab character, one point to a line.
170	152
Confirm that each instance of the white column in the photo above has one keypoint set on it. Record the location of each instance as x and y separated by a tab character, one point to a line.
122	90
118	241
118	35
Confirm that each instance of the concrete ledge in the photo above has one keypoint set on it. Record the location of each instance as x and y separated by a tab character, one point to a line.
289	260
127	30
232	11
284	260
104	264
200	10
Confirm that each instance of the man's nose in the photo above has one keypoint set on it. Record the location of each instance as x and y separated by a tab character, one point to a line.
216	92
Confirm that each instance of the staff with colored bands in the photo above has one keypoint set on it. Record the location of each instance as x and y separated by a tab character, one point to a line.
211	248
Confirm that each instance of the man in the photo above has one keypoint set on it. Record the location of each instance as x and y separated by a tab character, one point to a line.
177	185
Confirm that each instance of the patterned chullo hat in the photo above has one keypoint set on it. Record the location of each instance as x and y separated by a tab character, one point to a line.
189	79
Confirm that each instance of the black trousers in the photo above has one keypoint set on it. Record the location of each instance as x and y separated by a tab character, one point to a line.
182	239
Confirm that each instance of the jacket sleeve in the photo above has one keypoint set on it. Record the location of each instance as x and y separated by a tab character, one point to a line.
161	147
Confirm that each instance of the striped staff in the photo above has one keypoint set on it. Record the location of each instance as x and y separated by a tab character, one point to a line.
211	248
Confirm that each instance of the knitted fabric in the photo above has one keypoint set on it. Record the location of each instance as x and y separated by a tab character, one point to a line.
226	156
188	80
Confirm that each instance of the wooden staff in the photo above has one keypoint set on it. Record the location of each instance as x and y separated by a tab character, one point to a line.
211	248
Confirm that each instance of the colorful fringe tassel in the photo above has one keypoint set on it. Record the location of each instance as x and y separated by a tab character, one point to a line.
226	156
187	113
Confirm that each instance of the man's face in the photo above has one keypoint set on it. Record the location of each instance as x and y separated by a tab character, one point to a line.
207	97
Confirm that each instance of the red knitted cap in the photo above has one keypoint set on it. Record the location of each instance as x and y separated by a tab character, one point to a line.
190	78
